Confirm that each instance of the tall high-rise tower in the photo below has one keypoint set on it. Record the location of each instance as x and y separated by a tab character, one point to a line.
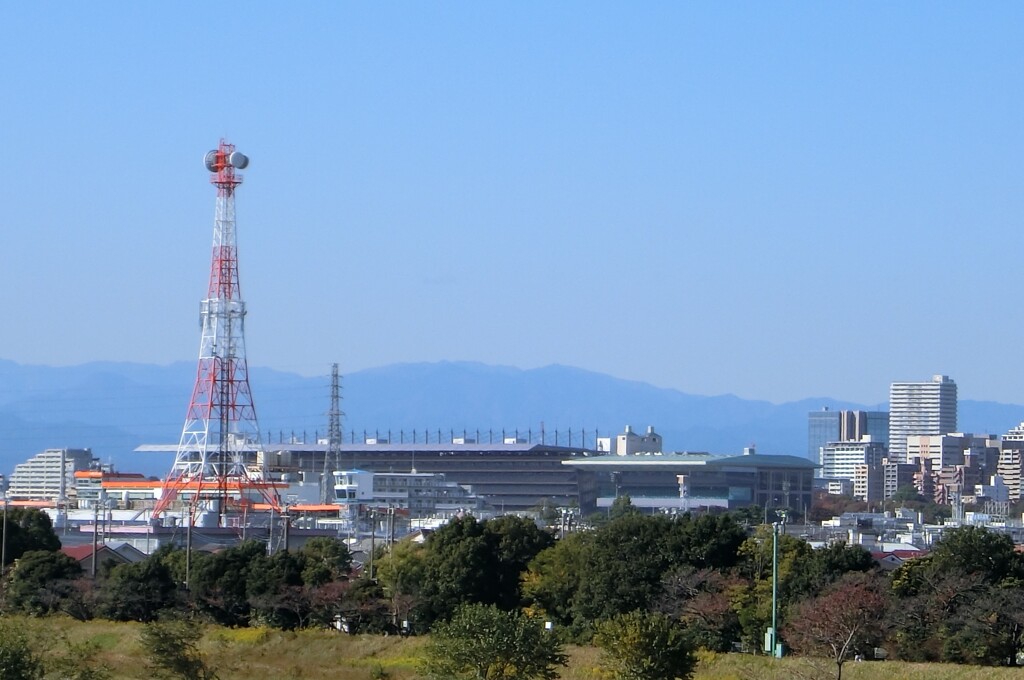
219	447
917	408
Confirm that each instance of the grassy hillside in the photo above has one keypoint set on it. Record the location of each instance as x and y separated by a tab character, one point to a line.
248	654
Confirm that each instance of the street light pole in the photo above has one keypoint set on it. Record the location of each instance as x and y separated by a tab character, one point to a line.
775	650
775	589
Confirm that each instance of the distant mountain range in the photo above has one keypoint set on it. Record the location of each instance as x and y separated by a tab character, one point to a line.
113	407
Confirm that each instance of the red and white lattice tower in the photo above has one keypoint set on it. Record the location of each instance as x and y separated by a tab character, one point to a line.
219	449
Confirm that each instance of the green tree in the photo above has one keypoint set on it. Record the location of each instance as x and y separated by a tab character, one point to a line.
553	578
76	661
927	607
826	566
645	646
325	559
41	581
220	581
705	541
173	650
401	574
753	601
467	561
622	506
275	591
907	493
516	541
174	558
459	564
987	629
977	550
482	642
138	592
29	529
18	659
619	567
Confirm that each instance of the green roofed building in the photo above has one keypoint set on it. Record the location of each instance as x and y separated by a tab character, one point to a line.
693	481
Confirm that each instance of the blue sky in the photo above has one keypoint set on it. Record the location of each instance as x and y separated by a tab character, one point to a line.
775	200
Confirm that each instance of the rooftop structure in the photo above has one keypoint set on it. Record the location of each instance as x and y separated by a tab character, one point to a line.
628	443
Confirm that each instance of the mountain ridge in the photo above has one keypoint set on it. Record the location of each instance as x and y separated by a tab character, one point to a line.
112	407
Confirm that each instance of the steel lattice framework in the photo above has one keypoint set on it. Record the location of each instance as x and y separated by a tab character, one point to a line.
219	448
332	456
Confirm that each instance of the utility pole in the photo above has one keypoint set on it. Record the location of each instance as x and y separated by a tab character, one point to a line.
95	537
373	538
188	548
3	541
287	517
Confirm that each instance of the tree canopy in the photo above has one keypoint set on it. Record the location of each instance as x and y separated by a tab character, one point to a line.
482	642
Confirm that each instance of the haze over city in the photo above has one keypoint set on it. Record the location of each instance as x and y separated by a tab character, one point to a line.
777	202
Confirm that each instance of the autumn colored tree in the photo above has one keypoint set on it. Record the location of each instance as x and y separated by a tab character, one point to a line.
942	604
699	600
845	619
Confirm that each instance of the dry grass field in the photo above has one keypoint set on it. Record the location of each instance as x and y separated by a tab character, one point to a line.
257	654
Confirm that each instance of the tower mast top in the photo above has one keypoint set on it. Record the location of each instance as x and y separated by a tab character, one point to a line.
222	163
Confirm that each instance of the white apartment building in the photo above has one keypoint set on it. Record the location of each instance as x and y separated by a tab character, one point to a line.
917	408
49	475
839	460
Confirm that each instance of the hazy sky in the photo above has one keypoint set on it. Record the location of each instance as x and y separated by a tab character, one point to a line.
775	200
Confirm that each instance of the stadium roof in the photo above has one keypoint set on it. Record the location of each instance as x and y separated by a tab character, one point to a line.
684	459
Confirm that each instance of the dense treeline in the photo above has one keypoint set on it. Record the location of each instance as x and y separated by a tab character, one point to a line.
708	576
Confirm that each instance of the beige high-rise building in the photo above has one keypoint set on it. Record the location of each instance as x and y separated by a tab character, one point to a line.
1011	461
